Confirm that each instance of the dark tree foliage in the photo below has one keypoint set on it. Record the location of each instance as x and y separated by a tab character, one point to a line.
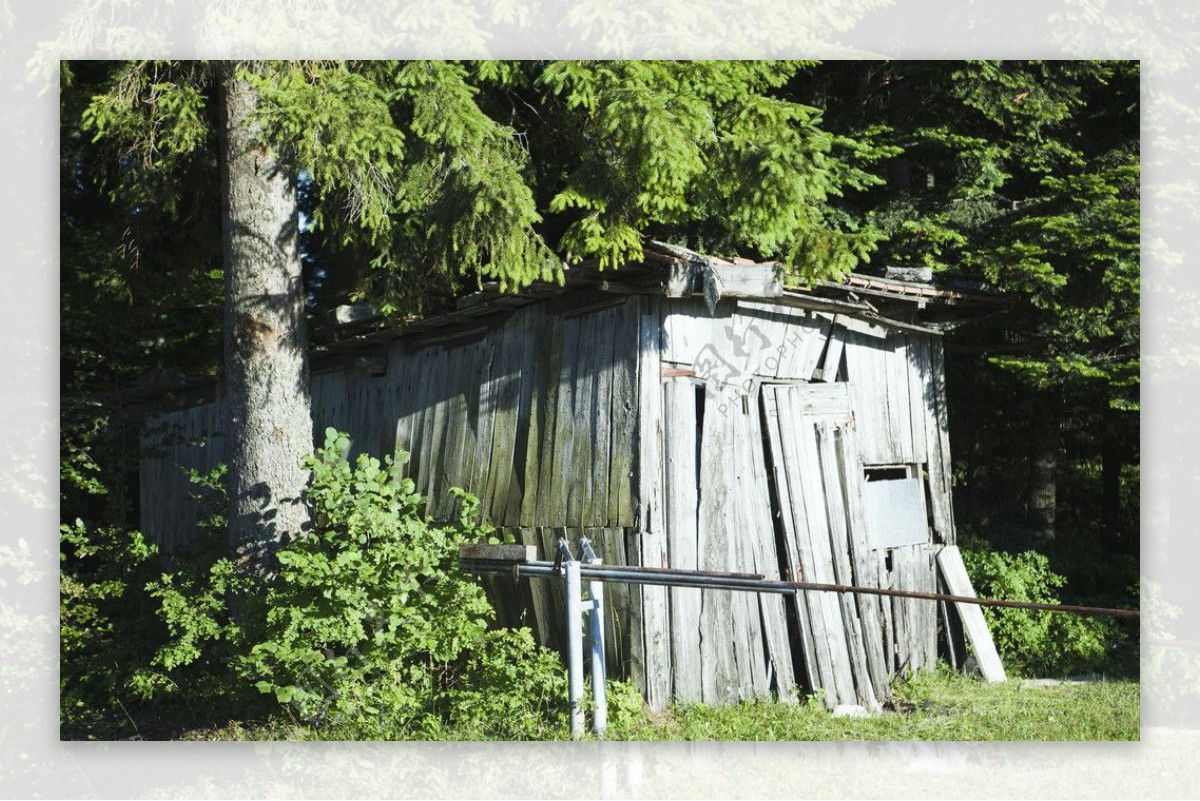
1024	175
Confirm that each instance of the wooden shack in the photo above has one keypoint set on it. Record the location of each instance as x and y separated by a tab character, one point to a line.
686	412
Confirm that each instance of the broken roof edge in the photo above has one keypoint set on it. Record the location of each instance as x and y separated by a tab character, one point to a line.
676	272
666	271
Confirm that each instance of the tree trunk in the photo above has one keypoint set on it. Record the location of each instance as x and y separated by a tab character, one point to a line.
269	428
1043	479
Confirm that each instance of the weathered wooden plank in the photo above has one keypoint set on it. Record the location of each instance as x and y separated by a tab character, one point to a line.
753	677
497	416
765	560
918	373
866	567
505	552
539	591
814	345
687	330
623	430
817	658
831	363
599	491
418	439
839	542
637	626
434	450
653	543
550	536
482	408
525	431
540	490
576	479
821	567
812	546
899	416
609	543
954	572
944	507
916	622
866	396
471	373
763	334
679	412
787	509
719	682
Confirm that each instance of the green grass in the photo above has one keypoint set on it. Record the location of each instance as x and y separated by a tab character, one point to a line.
940	706
943	706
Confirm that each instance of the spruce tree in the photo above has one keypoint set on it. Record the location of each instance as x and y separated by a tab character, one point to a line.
441	175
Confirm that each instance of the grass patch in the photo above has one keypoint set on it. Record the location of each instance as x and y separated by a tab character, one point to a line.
940	706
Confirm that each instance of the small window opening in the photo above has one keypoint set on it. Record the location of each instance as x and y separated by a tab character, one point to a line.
896	502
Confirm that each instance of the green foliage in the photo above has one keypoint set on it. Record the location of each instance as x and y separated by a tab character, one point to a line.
370	628
444	173
707	146
1031	642
105	622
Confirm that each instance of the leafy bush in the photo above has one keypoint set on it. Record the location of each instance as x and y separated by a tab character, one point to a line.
1035	642
371	631
106	624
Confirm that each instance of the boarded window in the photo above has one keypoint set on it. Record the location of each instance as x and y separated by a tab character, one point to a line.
895	510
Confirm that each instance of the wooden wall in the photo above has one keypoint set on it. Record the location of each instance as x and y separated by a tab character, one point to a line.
669	437
832	395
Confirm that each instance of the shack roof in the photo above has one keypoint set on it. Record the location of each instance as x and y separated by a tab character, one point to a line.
359	332
676	272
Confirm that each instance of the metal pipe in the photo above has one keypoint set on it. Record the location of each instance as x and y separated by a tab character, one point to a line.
571	588
696	578
596	637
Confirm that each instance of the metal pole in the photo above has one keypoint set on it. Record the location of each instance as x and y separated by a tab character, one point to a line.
596	637
574	609
697	578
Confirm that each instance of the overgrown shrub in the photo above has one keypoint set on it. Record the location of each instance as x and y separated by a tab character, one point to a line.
371	631
1037	642
367	631
106	625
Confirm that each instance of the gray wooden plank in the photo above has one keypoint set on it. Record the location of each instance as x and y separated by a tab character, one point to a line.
624	427
541	493
820	567
747	620
839	542
766	562
809	527
814	346
866	568
599	492
679	413
944	507
917	405
865	395
719	681
954	572
787	510
637	630
525	435
653	543
498	415
562	479
833	353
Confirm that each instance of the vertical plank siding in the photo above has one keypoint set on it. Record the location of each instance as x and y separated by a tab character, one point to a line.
669	437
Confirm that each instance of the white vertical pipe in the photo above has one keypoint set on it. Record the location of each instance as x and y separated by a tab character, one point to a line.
596	630
574	611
